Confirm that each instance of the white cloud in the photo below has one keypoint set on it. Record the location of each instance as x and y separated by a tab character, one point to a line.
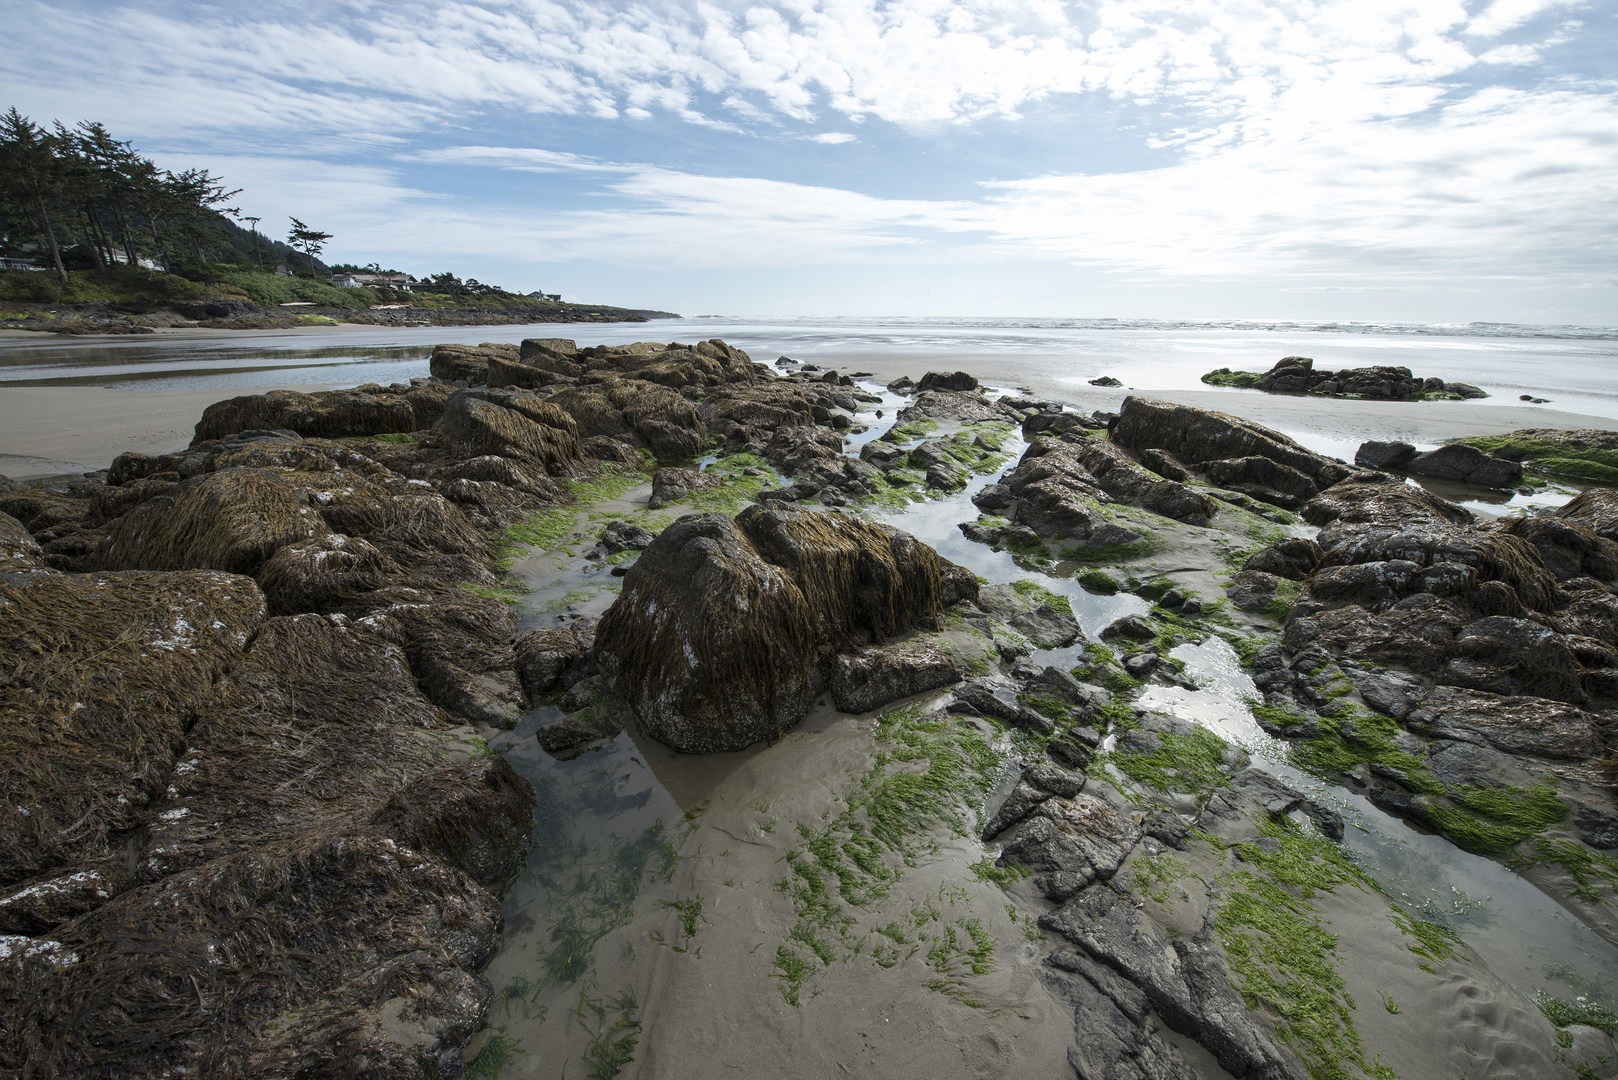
834	138
526	158
1504	15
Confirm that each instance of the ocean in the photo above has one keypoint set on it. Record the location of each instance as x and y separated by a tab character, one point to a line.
1575	366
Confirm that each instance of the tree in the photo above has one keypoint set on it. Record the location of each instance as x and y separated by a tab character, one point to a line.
30	171
309	241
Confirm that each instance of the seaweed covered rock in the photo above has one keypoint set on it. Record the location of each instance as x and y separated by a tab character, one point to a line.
324	954
725	630
468	364
640	413
361	411
317	725
19	551
100	677
508	423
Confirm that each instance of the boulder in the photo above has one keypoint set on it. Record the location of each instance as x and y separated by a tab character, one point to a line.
725	630
937	380
1380	499
1383	455
1516	725
1464	464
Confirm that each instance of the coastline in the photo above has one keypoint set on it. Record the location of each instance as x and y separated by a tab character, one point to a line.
54	430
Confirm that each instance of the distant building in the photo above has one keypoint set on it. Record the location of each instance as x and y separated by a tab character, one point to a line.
7	263
555	298
401	282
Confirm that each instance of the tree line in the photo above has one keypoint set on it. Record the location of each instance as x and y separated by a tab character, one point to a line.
89	200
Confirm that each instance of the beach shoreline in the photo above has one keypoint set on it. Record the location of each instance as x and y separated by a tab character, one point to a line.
48	431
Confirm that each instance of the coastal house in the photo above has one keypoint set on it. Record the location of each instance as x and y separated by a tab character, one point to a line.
8	263
401	282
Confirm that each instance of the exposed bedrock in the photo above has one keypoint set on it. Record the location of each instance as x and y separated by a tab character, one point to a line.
726	629
1458	463
1235	453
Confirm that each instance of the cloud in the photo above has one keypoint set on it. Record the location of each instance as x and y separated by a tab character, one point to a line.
420	63
525	158
834	138
1504	15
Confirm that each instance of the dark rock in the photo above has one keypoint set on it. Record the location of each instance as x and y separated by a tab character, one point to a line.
671	484
1070	843
1384	455
1252	590
1381	499
1514	725
1018	804
1294	558
1197	436
724	632
881	675
1054	780
1183	981
624	536
1000	702
936	380
1464	464
1105	380
550	658
1032	615
1130	628
1597	828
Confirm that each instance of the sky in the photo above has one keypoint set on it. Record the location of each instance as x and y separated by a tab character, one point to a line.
1372	160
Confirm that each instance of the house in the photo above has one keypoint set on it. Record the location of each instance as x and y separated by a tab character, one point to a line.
401	282
8	263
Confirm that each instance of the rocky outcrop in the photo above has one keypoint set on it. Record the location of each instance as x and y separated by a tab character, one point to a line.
506	423
1456	463
960	381
1235	453
1298	375
726	629
640	413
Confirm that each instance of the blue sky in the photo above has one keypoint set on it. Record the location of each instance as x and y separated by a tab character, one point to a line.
1418	160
